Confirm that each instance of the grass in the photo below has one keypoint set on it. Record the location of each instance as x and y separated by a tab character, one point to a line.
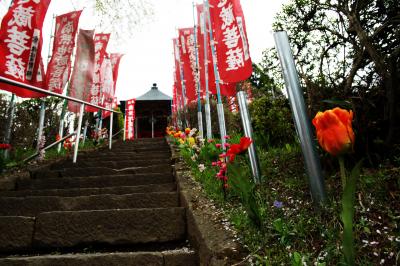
299	233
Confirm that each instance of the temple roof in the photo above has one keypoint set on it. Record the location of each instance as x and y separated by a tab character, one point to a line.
154	95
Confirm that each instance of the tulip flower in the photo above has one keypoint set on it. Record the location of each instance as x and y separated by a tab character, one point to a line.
191	141
5	146
240	148
187	131
334	130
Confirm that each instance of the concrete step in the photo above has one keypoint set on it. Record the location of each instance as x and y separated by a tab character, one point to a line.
73	229
181	257
98	171
95	181
32	206
110	164
125	156
76	192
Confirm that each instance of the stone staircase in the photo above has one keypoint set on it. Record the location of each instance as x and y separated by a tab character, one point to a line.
117	207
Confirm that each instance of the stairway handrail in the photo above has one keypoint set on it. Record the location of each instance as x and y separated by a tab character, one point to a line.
48	147
50	93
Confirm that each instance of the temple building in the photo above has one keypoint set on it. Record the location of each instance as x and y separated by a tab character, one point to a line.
152	111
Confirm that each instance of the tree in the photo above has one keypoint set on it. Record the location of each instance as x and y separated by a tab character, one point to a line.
347	53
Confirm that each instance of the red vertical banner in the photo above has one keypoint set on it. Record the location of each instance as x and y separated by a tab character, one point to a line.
59	68
234	62
227	89
108	89
100	43
21	45
82	76
130	119
186	50
177	74
115	60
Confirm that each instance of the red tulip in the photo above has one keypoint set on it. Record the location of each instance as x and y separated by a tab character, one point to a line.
240	148
334	130
5	146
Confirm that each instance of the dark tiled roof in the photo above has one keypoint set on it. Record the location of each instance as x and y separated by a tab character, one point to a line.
154	95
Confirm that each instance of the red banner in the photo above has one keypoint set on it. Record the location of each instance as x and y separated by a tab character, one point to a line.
227	89
115	60
187	54
59	68
108	89
100	42
177	74
82	76
234	62
130	119
21	45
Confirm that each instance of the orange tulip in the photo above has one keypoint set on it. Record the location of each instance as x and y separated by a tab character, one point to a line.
334	130
240	148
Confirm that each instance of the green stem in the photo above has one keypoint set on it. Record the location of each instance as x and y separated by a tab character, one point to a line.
342	172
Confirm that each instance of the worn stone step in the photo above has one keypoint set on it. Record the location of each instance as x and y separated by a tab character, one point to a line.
125	156
75	192
77	229
98	171
32	206
109	227
110	164
181	257
95	181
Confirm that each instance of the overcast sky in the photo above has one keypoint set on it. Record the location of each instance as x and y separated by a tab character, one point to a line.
149	54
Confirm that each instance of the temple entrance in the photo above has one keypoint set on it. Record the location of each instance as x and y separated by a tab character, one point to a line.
152	112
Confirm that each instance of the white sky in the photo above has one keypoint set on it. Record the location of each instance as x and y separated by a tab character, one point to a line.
149	55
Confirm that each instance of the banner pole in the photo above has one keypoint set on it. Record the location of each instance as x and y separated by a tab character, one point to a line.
183	87
248	132
85	131
207	104
301	119
111	131
78	133
125	126
220	106
41	123
10	121
197	77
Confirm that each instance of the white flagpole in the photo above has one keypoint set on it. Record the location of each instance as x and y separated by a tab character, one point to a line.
7	136
78	133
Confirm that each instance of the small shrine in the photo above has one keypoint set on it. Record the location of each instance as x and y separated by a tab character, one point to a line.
152	111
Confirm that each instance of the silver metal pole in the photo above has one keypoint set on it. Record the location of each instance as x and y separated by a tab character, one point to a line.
137	127
207	103
41	124
220	108
125	127
111	131
85	131
7	137
177	52
78	133
60	133
197	77
300	117
248	132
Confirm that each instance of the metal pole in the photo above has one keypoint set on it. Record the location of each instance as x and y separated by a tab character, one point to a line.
197	77
182	84
60	131
111	131
78	133
125	127
300	117
41	124
85	131
248	132
220	107
207	104
136	121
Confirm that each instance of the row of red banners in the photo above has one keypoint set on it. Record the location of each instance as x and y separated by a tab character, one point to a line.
232	56
95	72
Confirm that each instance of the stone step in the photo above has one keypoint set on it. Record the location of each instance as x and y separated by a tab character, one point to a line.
72	229
99	171
180	257
125	156
95	181
32	206
76	192
110	164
